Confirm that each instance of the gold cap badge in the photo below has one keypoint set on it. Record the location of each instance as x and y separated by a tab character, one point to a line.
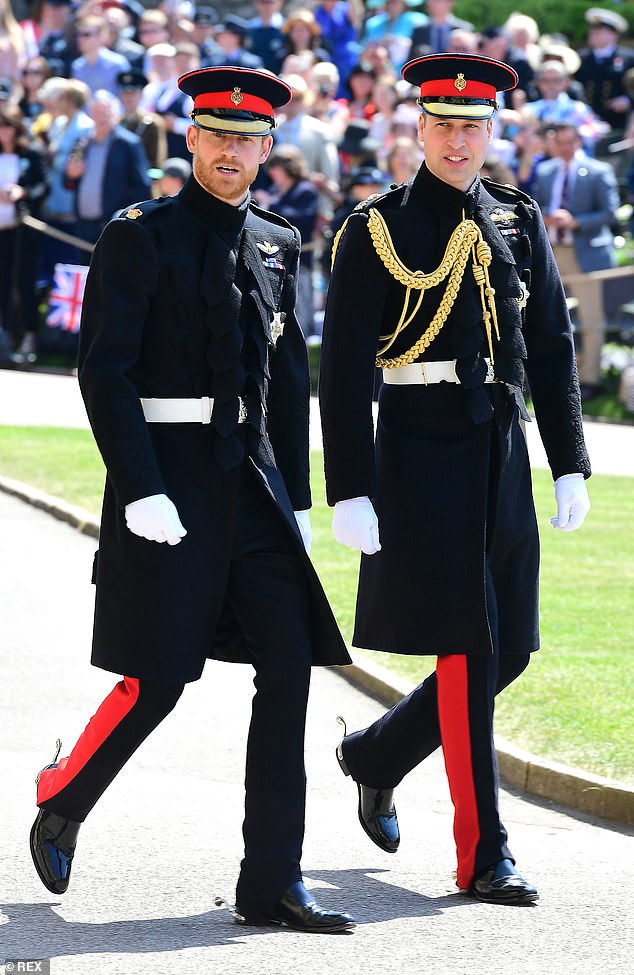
133	214
236	96
460	82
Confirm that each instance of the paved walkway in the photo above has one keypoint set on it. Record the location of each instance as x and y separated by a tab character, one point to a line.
34	399
165	838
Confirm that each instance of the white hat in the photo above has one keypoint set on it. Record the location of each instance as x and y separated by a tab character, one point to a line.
554	49
598	17
161	50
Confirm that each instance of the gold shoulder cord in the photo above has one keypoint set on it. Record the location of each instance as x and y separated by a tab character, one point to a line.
465	240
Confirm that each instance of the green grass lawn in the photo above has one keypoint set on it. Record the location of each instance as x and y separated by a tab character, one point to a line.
574	704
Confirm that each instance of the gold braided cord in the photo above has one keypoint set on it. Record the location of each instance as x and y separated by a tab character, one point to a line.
465	234
335	242
437	322
465	240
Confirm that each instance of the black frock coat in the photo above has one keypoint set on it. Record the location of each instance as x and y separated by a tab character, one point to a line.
449	473
173	287
602	80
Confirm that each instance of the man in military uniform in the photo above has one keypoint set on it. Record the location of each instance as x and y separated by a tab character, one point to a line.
194	373
603	64
149	126
449	285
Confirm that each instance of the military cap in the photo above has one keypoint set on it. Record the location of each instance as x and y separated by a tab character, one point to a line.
229	99
365	176
459	85
174	166
131	7
205	16
235	25
597	17
133	78
356	140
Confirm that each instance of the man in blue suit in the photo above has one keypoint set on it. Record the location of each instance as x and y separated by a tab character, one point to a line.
110	173
578	196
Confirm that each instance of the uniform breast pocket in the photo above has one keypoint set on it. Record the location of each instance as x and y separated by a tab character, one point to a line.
276	277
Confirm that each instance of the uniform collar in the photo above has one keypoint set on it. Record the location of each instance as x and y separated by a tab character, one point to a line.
431	190
222	215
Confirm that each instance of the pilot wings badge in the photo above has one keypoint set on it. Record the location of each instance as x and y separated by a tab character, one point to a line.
266	247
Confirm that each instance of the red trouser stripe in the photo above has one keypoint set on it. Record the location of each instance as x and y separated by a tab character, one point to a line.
455	733
119	702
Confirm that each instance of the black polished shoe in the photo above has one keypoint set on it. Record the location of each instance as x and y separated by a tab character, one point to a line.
502	884
53	840
298	910
377	814
295	909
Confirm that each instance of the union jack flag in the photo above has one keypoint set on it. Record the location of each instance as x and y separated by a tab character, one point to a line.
65	299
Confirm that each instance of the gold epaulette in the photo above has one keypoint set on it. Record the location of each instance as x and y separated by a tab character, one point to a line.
336	240
362	205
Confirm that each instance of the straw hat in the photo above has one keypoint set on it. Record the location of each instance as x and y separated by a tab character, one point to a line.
302	17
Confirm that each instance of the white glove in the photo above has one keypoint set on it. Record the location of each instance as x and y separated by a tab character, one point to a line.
573	503
354	523
155	518
305	529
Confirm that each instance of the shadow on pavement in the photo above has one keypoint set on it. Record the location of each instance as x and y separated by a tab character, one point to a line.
36	930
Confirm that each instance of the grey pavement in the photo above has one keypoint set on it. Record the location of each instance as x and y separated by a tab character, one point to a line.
165	839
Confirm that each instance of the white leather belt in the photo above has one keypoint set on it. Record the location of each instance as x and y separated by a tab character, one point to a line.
164	410
426	373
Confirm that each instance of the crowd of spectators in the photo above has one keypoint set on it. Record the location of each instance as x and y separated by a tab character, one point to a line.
92	120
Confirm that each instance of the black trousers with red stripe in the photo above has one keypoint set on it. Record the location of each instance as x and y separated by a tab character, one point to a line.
264	572
454	708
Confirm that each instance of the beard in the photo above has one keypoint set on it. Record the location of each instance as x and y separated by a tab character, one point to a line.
230	187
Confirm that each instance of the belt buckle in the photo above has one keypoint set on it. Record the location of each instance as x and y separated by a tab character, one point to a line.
206	409
242	410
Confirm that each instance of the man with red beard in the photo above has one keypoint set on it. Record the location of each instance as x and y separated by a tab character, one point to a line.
194	372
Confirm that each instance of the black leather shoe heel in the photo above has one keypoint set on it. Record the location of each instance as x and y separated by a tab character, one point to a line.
502	884
377	813
52	841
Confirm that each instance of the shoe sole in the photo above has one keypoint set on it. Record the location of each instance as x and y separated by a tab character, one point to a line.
261	921
517	899
335	929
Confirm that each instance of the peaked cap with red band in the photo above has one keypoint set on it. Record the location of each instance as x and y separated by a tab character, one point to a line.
228	99
459	85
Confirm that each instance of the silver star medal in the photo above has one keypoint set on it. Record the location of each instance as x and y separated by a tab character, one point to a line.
277	326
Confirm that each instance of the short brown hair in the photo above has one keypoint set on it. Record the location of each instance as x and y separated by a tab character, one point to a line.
290	159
